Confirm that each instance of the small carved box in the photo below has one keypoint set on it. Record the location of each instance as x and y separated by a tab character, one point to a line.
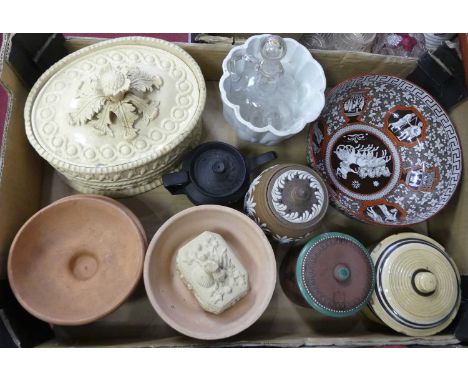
210	269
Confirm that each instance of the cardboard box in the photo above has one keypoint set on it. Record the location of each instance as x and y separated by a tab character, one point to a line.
27	184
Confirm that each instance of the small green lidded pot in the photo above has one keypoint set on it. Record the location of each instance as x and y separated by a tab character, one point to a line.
333	273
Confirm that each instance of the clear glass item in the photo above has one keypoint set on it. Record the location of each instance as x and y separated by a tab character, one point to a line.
265	91
322	41
400	44
361	42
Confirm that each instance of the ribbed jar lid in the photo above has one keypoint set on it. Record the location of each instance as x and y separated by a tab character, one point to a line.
417	285
335	274
115	105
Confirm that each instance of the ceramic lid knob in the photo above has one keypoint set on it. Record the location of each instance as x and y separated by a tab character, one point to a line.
341	272
417	285
335	274
425	282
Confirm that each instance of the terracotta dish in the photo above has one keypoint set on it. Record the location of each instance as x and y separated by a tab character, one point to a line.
387	150
76	260
176	304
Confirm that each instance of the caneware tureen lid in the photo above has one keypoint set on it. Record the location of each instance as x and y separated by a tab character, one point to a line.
119	103
335	274
417	285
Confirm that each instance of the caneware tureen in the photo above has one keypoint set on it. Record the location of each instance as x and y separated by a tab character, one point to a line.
114	116
417	288
388	151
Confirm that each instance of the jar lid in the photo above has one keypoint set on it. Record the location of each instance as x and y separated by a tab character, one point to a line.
115	105
297	196
335	274
417	285
217	169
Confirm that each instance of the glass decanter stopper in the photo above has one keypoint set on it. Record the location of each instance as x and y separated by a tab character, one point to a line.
264	90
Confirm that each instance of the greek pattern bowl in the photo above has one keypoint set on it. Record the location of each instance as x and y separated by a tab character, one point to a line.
387	149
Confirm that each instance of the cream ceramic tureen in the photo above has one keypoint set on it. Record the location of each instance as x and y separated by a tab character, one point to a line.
114	116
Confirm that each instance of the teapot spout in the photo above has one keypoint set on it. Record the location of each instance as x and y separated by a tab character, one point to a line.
257	161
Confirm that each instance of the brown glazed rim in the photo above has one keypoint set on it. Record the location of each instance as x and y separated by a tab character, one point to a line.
269	283
86	320
311	156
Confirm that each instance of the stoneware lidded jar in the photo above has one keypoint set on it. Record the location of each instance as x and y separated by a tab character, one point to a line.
417	285
333	274
287	201
114	116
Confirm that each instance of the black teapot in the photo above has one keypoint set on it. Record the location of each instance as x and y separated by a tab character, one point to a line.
215	173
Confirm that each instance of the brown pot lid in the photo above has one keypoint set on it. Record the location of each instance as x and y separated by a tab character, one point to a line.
297	196
335	274
417	285
75	261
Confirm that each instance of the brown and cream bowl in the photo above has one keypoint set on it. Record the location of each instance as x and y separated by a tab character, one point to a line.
176	304
76	260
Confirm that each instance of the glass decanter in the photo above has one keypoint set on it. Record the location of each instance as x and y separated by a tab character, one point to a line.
262	86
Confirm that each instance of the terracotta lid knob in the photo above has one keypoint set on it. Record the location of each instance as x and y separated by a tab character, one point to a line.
425	282
341	272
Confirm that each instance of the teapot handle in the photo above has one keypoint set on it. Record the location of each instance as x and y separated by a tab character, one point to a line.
175	182
254	162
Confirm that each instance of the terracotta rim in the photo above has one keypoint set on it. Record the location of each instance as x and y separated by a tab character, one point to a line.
270	283
106	199
85	320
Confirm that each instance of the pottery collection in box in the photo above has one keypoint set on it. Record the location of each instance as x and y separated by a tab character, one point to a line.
123	116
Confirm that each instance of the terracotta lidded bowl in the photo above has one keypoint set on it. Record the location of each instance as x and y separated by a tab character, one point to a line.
112	117
387	150
333	274
287	201
215	173
417	289
171	298
76	260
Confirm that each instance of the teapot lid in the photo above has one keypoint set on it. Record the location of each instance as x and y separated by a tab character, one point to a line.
217	169
417	285
335	274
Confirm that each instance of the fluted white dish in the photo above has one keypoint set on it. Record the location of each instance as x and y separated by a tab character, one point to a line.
302	66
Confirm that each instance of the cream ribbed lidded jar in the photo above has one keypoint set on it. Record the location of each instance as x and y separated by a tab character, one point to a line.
417	288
